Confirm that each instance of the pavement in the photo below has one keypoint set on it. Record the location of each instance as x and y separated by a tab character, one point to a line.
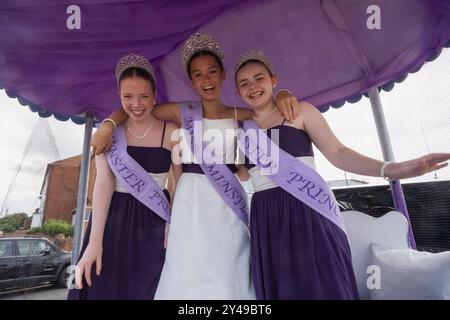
45	292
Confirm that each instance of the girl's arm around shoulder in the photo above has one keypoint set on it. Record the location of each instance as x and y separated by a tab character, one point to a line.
168	111
102	138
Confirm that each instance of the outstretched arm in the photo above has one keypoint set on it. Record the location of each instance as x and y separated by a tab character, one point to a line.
349	160
103	190
417	167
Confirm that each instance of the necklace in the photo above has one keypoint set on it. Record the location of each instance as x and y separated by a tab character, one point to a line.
144	135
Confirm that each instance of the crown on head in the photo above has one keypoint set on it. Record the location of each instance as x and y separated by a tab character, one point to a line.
199	42
253	55
133	60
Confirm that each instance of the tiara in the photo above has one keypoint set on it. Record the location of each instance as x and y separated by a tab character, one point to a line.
199	42
253	55
133	60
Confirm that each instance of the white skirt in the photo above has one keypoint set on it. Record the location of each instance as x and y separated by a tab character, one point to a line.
208	251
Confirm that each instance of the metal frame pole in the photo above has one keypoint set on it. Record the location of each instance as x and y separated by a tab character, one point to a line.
82	188
388	155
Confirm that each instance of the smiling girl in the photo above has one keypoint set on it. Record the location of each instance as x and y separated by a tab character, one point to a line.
124	243
299	246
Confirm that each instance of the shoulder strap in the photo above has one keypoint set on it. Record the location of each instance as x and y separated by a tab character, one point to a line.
164	130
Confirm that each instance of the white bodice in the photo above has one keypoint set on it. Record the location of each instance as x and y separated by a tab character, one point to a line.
219	138
160	178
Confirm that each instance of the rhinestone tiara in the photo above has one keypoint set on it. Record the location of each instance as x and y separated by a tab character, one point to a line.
199	42
133	60
253	55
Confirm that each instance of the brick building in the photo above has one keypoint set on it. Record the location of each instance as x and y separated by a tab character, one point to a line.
60	188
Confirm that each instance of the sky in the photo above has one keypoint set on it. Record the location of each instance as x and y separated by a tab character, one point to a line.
417	112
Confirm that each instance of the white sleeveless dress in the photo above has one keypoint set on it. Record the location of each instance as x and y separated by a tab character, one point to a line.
208	253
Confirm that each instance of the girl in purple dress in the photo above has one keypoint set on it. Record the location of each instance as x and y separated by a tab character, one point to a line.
124	242
297	253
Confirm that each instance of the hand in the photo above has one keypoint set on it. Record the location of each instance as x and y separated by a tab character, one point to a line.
288	105
92	254
102	138
166	235
417	167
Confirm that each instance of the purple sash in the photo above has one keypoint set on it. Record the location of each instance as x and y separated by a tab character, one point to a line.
134	178
220	176
289	173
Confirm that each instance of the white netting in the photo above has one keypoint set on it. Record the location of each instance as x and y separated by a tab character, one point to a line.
23	190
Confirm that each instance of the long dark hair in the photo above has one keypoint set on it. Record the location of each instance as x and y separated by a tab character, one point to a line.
138	72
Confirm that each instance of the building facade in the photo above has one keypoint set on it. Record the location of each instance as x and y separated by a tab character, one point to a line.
60	188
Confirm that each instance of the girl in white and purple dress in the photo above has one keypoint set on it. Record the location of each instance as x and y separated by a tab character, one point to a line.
297	252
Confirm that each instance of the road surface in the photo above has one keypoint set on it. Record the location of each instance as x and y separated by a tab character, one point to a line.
47	292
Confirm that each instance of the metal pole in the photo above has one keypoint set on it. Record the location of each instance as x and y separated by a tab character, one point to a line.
388	155
82	188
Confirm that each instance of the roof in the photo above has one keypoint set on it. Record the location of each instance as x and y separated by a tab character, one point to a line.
323	51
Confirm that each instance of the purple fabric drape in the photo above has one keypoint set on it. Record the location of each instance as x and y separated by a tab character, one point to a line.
321	50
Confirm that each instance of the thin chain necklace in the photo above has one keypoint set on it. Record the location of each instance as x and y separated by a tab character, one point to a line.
144	135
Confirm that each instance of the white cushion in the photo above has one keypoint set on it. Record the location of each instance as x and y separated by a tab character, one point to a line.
391	230
409	274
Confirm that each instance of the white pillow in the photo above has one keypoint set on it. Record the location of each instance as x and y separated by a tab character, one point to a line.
408	274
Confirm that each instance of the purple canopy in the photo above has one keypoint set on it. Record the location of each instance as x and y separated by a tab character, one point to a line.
322	50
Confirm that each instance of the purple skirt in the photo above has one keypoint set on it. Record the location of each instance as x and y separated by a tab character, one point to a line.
133	253
297	253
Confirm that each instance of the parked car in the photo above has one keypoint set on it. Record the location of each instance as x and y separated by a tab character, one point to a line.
31	261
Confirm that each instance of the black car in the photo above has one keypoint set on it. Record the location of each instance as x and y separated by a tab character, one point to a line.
31	261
